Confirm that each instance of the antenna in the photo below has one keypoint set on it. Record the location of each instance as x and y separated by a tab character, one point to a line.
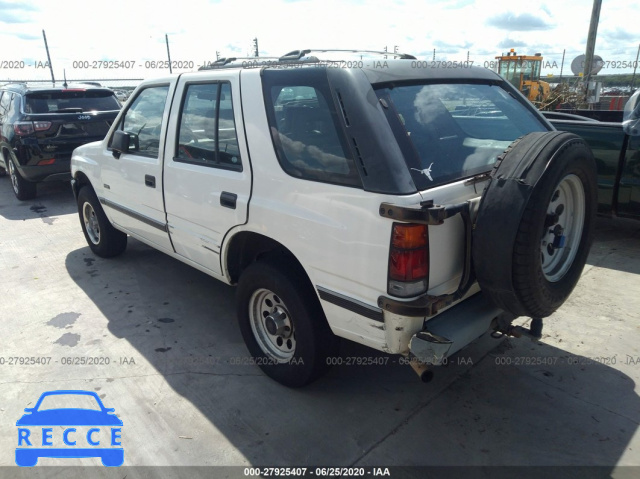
166	39
46	47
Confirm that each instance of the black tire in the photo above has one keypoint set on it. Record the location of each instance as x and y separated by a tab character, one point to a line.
292	295
103	239
528	260
23	189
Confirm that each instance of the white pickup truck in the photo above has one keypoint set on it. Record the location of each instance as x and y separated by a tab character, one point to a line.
408	209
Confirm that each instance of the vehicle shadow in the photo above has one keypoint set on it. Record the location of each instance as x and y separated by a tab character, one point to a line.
616	245
509	402
53	199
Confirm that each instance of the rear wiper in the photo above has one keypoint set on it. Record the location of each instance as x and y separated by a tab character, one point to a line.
68	110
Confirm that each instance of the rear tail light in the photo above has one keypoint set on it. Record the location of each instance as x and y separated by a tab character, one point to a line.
23	128
408	260
49	161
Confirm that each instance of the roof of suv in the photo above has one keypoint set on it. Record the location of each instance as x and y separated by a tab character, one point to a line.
24	88
375	65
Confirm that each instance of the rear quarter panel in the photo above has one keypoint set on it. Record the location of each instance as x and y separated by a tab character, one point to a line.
606	141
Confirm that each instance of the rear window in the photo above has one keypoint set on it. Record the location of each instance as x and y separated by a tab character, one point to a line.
70	101
452	131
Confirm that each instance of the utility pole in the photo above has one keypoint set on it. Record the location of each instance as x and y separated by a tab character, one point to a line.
46	47
166	39
591	42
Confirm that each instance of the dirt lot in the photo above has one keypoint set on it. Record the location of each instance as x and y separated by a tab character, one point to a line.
169	358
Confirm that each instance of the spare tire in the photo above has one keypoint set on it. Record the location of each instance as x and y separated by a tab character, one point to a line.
534	226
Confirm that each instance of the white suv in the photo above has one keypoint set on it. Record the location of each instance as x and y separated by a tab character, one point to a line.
373	200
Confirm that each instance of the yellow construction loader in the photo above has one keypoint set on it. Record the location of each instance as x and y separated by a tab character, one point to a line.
523	72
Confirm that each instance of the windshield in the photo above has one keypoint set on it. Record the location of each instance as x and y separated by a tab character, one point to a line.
69	101
66	401
512	69
452	131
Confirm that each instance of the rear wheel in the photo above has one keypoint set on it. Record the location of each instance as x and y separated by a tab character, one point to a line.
282	323
23	189
103	239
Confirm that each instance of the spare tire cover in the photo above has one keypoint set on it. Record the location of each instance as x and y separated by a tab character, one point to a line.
534	226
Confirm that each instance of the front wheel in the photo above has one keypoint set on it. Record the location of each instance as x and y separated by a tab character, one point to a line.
283	325
103	239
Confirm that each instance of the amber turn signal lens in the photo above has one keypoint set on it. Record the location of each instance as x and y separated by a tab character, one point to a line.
409	236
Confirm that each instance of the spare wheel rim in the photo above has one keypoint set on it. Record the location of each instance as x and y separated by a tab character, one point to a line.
563	230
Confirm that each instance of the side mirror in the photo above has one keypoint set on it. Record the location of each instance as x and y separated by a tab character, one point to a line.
120	143
631	116
29	409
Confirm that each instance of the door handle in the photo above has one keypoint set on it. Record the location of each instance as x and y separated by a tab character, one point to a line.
150	181
228	200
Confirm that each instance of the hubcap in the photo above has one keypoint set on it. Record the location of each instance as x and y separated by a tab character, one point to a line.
271	325
91	223
14	176
562	228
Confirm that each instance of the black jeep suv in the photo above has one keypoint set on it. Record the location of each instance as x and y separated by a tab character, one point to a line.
41	126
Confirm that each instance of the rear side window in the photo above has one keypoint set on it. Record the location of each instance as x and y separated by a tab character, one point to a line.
143	121
207	130
452	131
70	101
304	129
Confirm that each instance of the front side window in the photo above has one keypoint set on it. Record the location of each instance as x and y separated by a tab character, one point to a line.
207	130
452	131
143	121
304	130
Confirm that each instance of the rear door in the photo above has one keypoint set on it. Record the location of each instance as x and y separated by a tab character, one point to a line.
132	183
66	119
208	175
629	189
449	132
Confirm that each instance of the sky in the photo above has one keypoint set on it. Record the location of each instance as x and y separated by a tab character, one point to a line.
81	34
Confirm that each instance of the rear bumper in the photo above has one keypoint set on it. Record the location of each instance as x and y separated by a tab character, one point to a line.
455	328
59	171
